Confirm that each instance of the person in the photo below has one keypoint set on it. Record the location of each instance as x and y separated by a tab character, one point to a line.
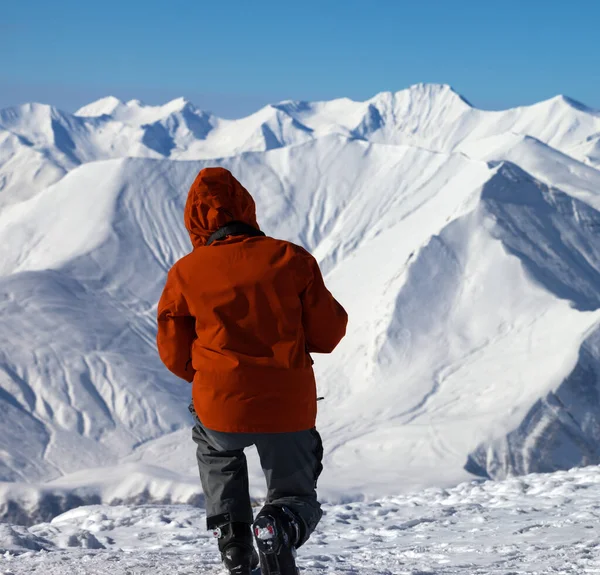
239	317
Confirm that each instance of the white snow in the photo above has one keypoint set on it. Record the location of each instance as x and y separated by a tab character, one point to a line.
462	242
533	524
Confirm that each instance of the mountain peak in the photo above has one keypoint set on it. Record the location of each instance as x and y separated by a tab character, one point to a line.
172	106
178	105
576	104
435	91
103	106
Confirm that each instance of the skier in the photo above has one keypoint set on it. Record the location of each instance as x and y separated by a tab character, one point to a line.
239	317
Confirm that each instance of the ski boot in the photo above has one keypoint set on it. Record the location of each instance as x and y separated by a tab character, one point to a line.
277	532
237	548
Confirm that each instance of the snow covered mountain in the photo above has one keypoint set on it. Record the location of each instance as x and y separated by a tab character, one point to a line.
462	242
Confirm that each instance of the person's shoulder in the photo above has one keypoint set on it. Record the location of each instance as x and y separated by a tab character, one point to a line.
291	246
182	263
292	250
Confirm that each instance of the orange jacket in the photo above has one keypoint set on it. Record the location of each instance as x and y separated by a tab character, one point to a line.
240	316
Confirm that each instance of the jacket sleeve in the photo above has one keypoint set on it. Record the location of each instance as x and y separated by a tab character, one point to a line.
176	330
323	318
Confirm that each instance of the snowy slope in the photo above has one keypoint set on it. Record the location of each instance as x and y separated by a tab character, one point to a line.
533	524
463	244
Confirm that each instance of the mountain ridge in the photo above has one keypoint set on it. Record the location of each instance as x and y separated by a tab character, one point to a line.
462	243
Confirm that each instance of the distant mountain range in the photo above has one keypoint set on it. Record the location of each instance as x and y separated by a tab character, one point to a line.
463	243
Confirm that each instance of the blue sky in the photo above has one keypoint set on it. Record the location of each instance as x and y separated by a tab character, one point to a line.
232	57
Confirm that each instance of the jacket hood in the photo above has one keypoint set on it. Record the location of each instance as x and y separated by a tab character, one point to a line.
215	199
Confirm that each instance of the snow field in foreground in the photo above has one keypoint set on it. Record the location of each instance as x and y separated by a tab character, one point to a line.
533	524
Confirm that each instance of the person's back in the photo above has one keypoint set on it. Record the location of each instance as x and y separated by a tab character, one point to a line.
239	317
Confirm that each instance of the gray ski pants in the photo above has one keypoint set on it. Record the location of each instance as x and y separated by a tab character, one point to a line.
291	463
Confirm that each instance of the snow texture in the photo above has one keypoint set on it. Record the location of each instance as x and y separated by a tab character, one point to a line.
463	244
536	524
